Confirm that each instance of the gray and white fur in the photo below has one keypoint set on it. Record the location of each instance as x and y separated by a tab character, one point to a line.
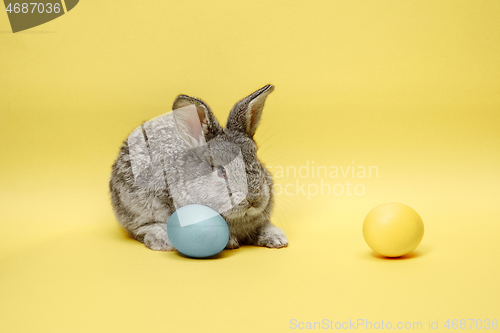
144	211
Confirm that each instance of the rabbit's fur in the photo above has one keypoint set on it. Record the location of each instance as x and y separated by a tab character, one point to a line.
144	211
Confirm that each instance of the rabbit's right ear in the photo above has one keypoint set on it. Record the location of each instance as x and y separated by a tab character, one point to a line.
209	124
245	115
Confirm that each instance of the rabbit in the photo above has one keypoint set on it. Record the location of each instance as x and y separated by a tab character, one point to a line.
218	160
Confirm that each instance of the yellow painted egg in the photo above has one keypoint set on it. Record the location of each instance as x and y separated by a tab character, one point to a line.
393	229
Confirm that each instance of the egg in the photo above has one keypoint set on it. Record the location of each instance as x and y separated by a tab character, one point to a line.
393	229
197	231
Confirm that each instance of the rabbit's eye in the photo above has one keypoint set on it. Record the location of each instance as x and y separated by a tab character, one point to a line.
221	172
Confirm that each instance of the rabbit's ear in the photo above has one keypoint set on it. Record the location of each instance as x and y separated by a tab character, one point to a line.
209	124
245	115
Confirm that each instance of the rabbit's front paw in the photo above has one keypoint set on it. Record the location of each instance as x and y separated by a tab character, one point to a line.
272	237
233	243
158	242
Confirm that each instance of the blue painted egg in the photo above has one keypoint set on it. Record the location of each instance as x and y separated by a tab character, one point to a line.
197	231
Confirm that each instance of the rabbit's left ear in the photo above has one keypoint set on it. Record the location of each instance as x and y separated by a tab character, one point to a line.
245	115
209	124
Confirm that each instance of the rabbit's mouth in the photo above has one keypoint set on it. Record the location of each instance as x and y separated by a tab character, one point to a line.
254	210
244	209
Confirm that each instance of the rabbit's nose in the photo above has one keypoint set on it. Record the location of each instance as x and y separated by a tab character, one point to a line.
253	201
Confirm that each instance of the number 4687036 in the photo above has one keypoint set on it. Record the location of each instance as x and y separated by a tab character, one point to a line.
477	323
34	7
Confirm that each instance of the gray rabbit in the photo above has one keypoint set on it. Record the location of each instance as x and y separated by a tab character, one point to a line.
170	162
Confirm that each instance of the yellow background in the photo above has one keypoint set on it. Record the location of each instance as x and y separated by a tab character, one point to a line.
412	87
